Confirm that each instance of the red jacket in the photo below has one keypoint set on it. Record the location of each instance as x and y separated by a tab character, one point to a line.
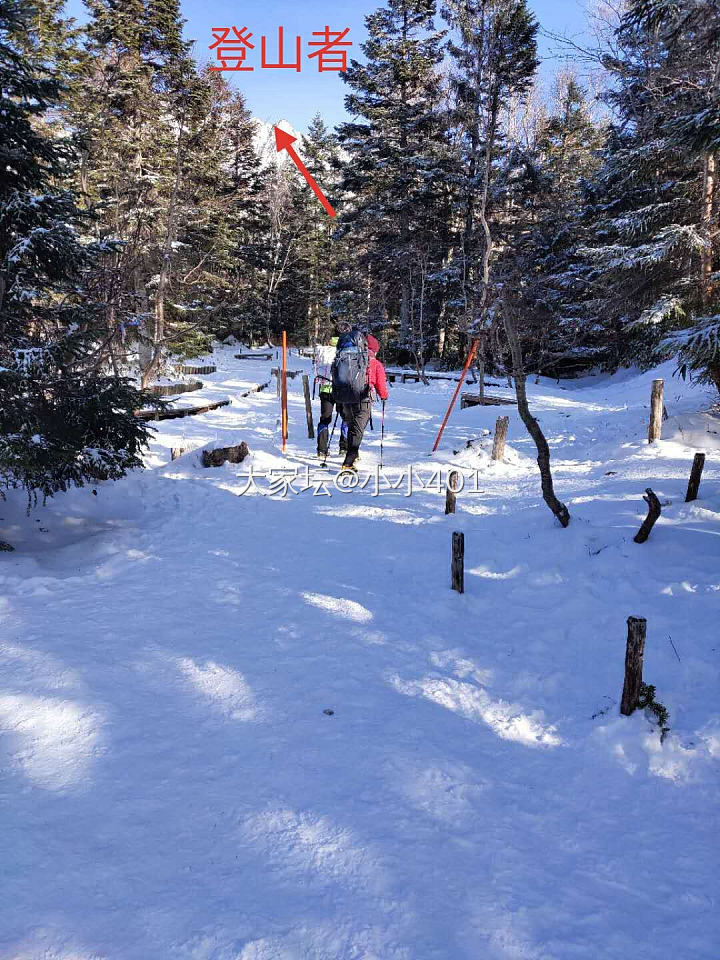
377	378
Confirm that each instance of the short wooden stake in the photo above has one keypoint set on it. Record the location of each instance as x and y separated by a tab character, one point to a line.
501	429
656	411
283	398
176	452
654	511
458	562
308	407
637	629
695	477
451	494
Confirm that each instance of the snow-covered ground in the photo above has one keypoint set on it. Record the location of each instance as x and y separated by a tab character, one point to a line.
174	785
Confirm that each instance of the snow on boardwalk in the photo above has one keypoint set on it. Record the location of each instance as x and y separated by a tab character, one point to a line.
172	787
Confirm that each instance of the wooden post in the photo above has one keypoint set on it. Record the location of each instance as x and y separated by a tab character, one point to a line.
458	562
637	629
481	379
278	381
695	477
283	398
451	495
501	429
656	411
308	407
176	452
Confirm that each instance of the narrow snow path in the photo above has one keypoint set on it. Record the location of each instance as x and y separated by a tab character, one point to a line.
173	786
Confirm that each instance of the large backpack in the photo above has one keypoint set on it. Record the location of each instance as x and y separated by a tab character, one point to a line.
350	369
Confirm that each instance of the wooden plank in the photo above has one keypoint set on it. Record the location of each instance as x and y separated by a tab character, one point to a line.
472	400
173	389
253	356
179	412
197	371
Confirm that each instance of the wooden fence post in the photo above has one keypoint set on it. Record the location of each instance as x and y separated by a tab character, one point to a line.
656	411
451	494
637	629
308	407
176	452
458	562
695	477
501	429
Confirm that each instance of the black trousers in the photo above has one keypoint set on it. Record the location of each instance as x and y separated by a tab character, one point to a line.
327	406
357	416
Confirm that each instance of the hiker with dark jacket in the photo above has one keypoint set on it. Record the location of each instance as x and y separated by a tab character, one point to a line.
357	384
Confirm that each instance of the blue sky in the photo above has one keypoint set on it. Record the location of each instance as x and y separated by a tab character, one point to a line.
286	94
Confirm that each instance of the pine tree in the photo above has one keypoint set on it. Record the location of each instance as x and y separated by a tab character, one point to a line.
132	114
648	267
318	254
690	32
62	421
564	157
392	175
494	64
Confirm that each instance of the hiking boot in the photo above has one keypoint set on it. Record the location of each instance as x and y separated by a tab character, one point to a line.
348	468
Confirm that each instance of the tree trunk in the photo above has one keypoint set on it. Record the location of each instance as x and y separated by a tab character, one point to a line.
533	427
706	268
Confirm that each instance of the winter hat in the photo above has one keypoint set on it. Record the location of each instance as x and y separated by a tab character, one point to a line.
372	343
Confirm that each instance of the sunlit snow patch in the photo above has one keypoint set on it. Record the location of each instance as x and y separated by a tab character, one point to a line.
225	688
339	607
56	739
504	719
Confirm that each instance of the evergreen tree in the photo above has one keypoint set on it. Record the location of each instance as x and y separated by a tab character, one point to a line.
319	252
132	113
394	168
648	267
566	154
494	63
690	33
62	421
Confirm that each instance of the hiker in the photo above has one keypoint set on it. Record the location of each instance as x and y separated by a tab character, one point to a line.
327	402
358	378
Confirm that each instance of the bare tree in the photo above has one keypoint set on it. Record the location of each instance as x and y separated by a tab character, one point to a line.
509	312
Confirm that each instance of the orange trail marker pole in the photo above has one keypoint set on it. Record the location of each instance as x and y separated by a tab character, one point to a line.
470	358
283	394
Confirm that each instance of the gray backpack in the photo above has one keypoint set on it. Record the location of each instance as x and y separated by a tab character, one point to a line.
350	369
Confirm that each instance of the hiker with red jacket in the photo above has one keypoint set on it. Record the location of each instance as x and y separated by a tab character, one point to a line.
358	379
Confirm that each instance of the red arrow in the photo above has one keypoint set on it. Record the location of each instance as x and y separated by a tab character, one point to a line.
284	141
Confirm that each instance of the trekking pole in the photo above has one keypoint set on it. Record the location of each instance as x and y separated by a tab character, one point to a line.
382	434
332	434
